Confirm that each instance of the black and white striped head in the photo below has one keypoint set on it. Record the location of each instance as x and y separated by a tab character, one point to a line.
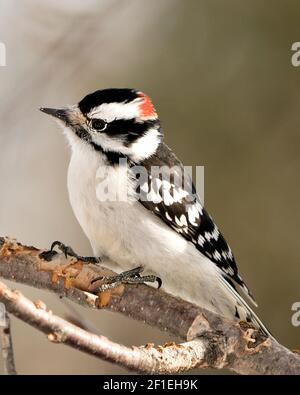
117	122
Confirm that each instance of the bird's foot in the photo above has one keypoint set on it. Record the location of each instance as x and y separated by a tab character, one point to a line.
68	252
132	276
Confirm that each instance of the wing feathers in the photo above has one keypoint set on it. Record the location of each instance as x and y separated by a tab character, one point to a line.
179	207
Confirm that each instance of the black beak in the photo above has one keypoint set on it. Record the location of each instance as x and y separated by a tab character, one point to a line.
61	114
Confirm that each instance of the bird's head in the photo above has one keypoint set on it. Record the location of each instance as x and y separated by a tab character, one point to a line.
113	121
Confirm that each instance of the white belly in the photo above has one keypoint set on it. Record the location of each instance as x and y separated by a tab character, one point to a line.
130	235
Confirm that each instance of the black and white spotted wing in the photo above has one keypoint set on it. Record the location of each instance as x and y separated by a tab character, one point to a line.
179	206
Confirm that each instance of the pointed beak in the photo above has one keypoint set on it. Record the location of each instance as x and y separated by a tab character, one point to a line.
61	113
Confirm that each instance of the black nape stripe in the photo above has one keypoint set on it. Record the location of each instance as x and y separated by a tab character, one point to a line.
112	157
107	96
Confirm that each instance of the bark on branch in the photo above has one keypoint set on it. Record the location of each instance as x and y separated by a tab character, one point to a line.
212	341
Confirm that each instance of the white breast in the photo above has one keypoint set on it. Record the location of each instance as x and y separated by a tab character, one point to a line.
130	235
120	229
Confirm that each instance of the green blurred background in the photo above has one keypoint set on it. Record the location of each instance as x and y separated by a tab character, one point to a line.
221	78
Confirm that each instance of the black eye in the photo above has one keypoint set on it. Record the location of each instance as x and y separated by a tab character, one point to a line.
98	124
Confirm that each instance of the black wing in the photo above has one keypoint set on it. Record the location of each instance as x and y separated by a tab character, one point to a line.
179	206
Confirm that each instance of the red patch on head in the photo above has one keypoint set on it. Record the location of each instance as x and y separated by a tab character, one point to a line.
146	107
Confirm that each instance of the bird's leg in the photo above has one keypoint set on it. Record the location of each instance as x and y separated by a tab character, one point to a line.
132	276
67	251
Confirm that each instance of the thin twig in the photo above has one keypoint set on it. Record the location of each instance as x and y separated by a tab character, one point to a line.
6	342
171	358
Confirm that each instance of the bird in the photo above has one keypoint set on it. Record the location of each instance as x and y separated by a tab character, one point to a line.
126	191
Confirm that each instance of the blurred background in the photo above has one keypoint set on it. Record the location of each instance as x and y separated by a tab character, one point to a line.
221	78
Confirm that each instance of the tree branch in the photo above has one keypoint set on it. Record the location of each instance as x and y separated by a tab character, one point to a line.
213	341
